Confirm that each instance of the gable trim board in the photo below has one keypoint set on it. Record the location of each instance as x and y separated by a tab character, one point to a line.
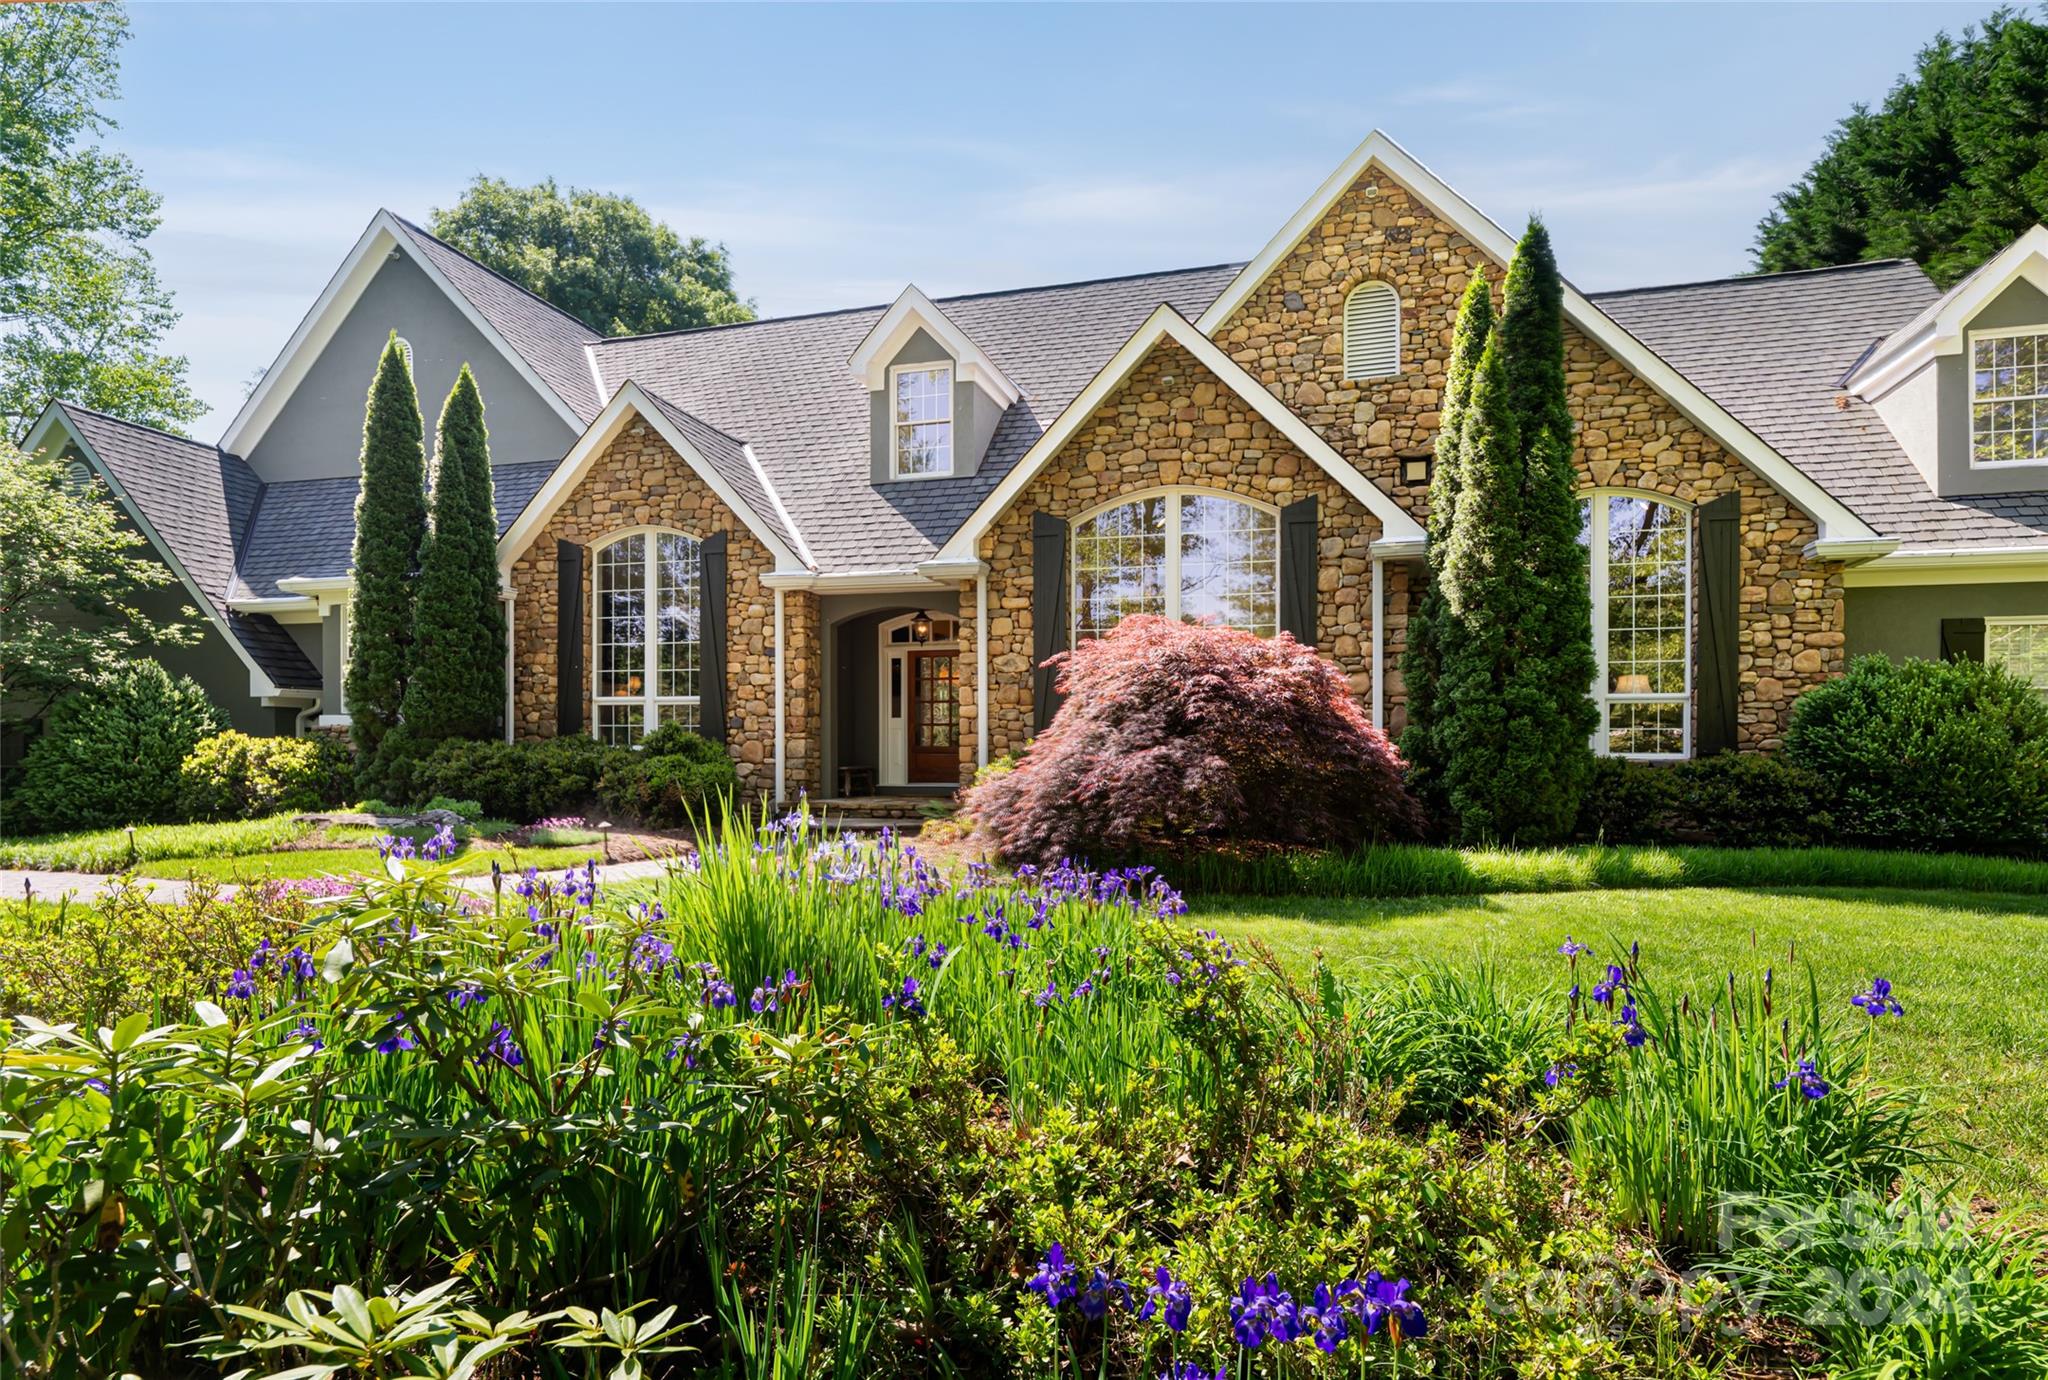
629	402
383	238
911	310
1966	565
1835	521
1396	526
1939	329
261	686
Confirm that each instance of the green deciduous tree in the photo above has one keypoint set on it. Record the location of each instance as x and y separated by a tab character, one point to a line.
457	687
81	311
1947	172
391	527
1421	659
1513	640
70	573
598	256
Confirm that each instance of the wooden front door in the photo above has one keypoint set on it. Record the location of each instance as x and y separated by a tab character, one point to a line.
934	717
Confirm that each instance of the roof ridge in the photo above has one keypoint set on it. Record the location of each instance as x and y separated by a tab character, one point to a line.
476	263
141	426
939	301
1745	278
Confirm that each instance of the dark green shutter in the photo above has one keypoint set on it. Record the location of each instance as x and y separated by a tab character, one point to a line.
1715	681
1298	571
1049	612
1962	639
569	678
711	639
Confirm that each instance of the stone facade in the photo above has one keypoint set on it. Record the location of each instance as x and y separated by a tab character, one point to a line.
1289	335
640	481
1171	423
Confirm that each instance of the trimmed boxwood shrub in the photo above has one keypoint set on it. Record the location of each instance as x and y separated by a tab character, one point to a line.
111	753
675	777
522	782
1731	800
237	776
1928	755
1175	735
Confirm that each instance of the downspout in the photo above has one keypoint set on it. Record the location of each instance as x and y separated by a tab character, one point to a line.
299	719
781	787
510	662
981	669
1379	642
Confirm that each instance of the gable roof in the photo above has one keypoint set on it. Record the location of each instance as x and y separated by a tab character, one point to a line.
543	344
720	460
1938	328
1773	349
193	502
910	312
1837	524
783	385
1397	527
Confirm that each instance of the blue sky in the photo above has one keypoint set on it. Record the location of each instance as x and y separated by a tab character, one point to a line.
842	152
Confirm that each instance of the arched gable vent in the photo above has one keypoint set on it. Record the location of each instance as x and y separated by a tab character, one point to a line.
1372	332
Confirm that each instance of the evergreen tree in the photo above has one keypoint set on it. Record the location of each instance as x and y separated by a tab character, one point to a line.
457	687
391	524
1421	659
1481	731
1555	665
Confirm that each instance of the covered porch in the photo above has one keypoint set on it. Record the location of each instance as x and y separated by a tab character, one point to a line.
895	667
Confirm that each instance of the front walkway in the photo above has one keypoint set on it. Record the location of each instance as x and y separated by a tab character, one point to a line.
16	884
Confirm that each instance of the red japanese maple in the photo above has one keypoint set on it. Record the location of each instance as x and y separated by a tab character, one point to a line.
1175	733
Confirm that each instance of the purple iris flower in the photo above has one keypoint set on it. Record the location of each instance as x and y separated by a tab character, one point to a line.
241	986
1169	1298
1572	948
1054	1281
395	1039
1262	1309
1615	981
309	1034
441	845
1878	1001
1811	1085
1558	1073
1385	1302
1632	1033
1325	1320
906	1000
1188	1370
1101	1290
502	1047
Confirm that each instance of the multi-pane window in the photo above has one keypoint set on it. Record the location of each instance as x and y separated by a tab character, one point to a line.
647	628
1641	558
2009	398
922	406
1202	557
2020	645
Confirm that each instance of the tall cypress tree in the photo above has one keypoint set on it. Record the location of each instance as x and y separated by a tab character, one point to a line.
1479	732
457	688
1422	657
1556	665
391	523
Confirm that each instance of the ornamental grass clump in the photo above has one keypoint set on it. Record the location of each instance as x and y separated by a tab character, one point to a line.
1172	735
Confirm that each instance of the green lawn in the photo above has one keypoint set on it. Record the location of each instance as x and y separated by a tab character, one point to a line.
318	862
1971	969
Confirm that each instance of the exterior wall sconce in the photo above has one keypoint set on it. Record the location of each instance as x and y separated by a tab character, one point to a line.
1415	469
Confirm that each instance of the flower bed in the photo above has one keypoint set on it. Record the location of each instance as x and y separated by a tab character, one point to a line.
865	1118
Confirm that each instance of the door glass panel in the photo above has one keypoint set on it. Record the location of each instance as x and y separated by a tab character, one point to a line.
937	710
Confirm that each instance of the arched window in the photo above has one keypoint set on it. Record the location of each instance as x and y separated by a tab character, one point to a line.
1372	332
1184	553
647	624
1641	555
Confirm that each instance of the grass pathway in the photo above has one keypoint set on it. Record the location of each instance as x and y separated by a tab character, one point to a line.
1971	969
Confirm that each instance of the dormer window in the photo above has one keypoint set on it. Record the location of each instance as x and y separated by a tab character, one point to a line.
2009	397
922	405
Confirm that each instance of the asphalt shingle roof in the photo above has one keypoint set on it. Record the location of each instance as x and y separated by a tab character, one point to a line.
549	339
783	387
728	456
307	527
1774	348
199	500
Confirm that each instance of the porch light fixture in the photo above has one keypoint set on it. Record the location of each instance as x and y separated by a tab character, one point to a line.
1415	469
921	627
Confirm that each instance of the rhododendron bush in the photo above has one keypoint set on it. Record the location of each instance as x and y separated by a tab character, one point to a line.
1173	733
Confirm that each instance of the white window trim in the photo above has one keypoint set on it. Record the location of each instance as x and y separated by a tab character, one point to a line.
952	432
1375	285
650	703
2012	620
1597	559
1970	399
1174	492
